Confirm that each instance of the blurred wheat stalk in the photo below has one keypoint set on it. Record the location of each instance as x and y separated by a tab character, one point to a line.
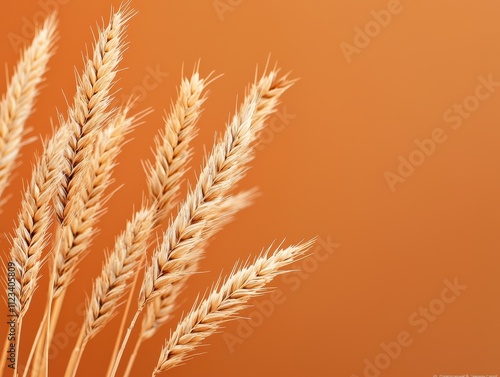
69	184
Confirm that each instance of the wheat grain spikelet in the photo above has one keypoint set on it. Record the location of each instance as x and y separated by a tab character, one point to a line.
160	310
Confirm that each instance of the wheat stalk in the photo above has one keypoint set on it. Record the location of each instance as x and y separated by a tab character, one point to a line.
18	101
85	118
171	155
223	303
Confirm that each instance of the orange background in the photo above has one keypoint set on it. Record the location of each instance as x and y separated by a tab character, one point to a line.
322	174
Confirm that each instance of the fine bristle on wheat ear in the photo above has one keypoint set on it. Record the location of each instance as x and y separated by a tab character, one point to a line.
225	166
223	303
18	101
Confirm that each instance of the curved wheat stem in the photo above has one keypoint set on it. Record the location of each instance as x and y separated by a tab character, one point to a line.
224	303
18	101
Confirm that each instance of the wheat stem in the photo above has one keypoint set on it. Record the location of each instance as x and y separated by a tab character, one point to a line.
4	352
123	323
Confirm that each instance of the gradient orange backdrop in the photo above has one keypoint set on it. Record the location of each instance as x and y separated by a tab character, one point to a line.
323	171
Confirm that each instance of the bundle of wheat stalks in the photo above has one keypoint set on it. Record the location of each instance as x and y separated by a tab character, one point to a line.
68	187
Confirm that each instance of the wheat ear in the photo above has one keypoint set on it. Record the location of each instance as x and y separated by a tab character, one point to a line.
223	169
224	303
171	156
85	118
225	166
33	223
17	103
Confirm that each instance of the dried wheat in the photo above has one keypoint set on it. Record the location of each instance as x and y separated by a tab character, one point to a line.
226	165
223	303
18	101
